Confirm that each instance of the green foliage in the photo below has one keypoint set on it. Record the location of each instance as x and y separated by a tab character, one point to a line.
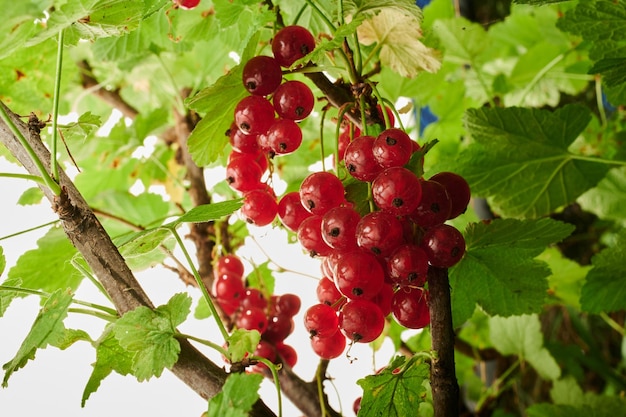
48	329
396	390
242	343
495	249
150	336
237	396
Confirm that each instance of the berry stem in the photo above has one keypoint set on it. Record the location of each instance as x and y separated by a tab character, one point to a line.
196	275
319	378
272	368
443	380
55	107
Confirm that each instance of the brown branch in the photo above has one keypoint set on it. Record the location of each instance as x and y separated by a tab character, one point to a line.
113	98
91	240
443	381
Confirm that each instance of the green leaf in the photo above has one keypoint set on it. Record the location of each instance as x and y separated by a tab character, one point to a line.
521	336
242	343
495	249
86	124
6	296
150	335
31	196
605	287
110	356
91	19
462	40
397	390
594	405
372	7
519	159
47	330
608	199
567	277
262	278
48	267
596	20
210	212
397	35
238	395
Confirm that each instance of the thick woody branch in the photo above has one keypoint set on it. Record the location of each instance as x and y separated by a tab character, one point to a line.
91	240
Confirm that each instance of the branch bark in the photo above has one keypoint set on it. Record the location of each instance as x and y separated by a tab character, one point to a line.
89	237
443	380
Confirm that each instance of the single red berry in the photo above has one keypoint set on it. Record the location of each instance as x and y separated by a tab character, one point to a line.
252	319
397	190
254	115
292	43
458	191
434	207
361	320
288	304
187	4
228	264
261	75
287	353
410	307
228	290
444	245
259	207
241	142
380	232
329	347
284	136
359	274
392	148
293	100
328	293
279	327
321	320
339	227
243	173
291	212
359	159
408	265
253	298
321	191
310	236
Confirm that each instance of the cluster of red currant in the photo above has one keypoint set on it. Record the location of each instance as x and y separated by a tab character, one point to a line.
266	122
252	310
376	263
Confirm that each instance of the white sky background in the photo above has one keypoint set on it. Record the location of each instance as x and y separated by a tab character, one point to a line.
53	383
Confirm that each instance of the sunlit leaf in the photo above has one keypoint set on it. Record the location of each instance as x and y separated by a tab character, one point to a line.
238	395
242	343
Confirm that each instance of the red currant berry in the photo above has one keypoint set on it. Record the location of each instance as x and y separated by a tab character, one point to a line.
254	115
259	207
329	347
288	354
253	298
288	304
392	148
458	191
408	265
328	293
187	4
321	320
228	290
284	136
359	159
397	190
321	191
252	319
241	142
434	208
291	212
384	298
361	320
410	308
380	232
262	75
267	351
243	173
279	327
293	100
292	43
228	264
444	245
359	274
310	237
339	227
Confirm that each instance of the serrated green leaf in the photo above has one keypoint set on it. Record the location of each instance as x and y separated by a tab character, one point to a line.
71	336
605	287
530	171
242	343
110	356
326	45
397	390
567	277
495	249
86	124
521	336
397	35
150	335
47	330
613	71
608	199
595	20
238	395
462	40
210	212
91	19
48	267
30	196
372	7
241	21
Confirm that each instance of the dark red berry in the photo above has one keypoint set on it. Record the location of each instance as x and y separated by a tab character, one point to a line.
380	232
321	320
254	115
408	265
434	207
291	212
410	307
284	136
359	159
259	207
444	245
339	227
321	191
397	190
293	100
359	274
292	43
329	347
361	320
261	75
458	191
392	148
